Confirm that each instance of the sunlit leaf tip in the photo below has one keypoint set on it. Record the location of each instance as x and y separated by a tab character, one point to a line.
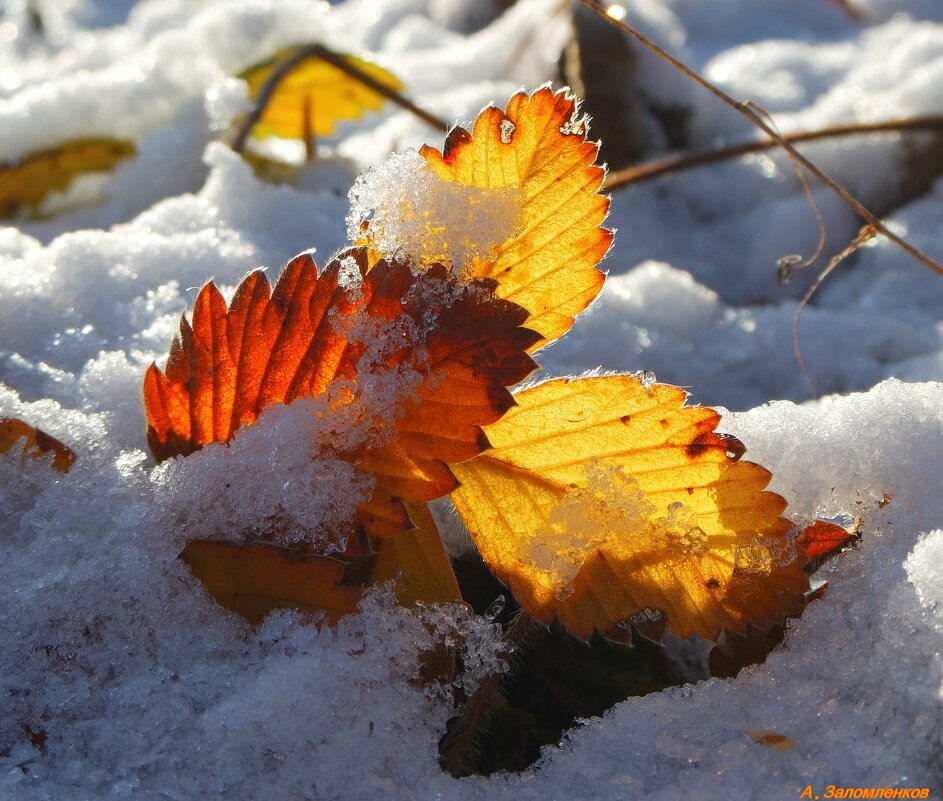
537	144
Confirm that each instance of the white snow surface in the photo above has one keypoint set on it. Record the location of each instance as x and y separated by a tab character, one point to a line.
411	214
145	689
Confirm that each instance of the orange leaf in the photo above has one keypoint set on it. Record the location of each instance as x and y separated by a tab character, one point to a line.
602	498
310	337
537	145
255	578
35	442
822	538
772	739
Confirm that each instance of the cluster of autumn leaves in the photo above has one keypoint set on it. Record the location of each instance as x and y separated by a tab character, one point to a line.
594	499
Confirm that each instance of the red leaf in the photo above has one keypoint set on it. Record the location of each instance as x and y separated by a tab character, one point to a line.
822	538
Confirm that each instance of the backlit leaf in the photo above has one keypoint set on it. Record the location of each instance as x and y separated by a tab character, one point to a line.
604	498
538	145
417	562
255	578
309	336
29	181
36	443
821	539
315	95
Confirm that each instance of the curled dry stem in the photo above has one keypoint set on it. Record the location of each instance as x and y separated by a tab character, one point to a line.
865	235
788	264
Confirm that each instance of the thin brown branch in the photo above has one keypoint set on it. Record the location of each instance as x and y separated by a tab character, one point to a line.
865	235
308	129
855	14
302	54
757	120
820	220
639	173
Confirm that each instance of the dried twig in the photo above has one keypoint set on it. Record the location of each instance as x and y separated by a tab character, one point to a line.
786	265
747	111
865	235
639	173
334	59
308	129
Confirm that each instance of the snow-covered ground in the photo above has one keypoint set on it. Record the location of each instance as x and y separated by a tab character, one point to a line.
120	678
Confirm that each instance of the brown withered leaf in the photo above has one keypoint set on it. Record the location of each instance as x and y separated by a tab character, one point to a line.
307	336
772	739
255	578
821	539
36	443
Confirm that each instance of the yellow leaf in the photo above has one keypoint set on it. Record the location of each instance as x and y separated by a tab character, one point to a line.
29	181
416	560
315	95
36	443
537	145
603	498
254	578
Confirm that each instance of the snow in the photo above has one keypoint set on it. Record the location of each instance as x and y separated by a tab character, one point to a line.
921	569
122	679
583	522
410	212
220	491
